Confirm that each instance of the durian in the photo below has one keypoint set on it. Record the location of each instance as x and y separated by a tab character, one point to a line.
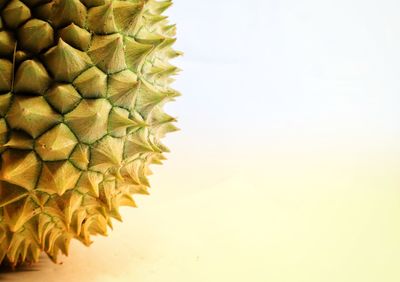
82	89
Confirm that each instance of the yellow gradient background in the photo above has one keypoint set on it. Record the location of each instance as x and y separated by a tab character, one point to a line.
287	165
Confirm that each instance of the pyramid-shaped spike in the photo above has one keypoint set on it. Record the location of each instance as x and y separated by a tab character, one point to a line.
127	15
63	97
80	156
155	142
19	140
35	35
77	219
161	75
63	243
136	143
101	19
148	98
15	13
146	36
135	53
50	248
138	119
56	144
126	200
159	117
90	202
24	249
89	119
54	206
156	21
167	43
156	158
107	52
171	53
107	191
92	83
6	69
122	185
5	100
122	88
98	225
31	78
76	37
14	249
163	129
20	168
7	43
73	202
89	182
65	12
119	121
35	252
133	174
114	211
10	193
40	198
73	61
158	7
106	153
58	177
19	214
93	225
32	114
44	11
45	224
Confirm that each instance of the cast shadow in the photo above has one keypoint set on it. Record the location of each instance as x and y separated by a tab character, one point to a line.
8	273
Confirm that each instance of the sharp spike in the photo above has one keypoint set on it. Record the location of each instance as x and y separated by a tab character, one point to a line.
107	52
92	83
15	13
65	12
122	88
32	114
89	119
20	168
80	156
63	97
73	61
76	37
31	78
58	177
56	144
106	153
36	35
101	19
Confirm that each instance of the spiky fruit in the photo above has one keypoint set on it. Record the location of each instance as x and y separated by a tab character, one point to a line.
82	89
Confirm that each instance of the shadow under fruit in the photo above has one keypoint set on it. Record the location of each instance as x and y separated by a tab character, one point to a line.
82	89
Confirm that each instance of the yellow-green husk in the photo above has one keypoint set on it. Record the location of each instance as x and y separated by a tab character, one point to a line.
82	89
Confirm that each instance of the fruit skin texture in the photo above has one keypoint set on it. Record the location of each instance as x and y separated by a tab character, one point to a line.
82	89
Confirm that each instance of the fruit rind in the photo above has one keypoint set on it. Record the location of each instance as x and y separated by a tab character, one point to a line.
82	89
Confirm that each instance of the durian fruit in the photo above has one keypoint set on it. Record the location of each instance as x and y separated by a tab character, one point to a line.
82	89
